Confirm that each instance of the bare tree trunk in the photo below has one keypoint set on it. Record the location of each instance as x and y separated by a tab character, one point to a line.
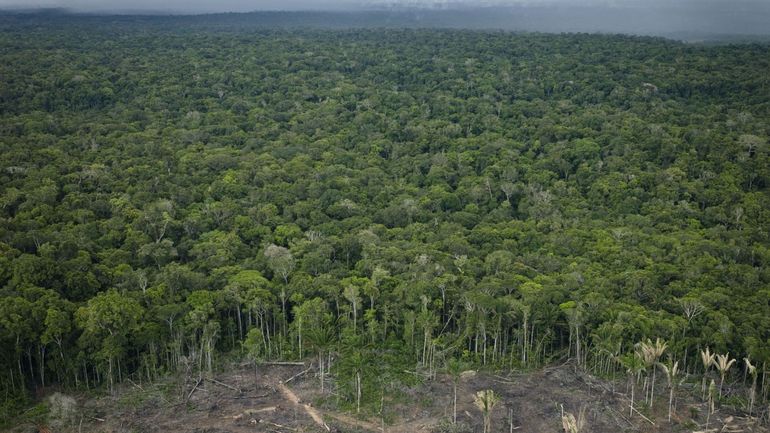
524	346
577	345
110	374
42	365
283	307
358	392
85	374
31	367
21	372
753	395
299	337
454	404
240	322
652	387
321	369
721	382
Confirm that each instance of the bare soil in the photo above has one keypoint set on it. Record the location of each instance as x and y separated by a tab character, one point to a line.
238	401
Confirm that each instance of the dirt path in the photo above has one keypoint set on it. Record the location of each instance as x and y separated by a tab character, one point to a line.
289	395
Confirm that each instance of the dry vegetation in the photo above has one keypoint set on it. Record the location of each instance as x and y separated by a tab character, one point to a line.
285	398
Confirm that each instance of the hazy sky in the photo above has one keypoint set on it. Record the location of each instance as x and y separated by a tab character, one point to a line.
645	17
198	6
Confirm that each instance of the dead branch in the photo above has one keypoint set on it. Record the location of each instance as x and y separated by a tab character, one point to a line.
618	414
298	375
250	396
226	385
135	385
640	414
264	409
276	425
282	363
193	390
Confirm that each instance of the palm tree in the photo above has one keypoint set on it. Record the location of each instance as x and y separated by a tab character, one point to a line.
570	424
322	339
708	360
723	364
651	352
486	400
671	373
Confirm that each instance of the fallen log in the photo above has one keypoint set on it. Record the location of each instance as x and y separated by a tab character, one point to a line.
226	385
276	425
264	409
298	375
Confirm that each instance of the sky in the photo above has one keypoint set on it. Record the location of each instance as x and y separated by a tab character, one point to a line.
646	17
205	6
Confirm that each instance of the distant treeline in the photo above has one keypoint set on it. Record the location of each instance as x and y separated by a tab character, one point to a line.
697	22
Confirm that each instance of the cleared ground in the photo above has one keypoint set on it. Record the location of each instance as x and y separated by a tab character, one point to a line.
278	398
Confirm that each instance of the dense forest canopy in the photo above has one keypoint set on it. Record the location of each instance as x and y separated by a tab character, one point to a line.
173	196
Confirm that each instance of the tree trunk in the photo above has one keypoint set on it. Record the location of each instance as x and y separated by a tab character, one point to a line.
721	381
525	330
454	404
358	392
321	369
299	331
31	367
110	371
753	395
42	365
283	307
85	374
240	322
21	371
652	387
577	345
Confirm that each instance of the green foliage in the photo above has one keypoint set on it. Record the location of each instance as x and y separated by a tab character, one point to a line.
168	193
